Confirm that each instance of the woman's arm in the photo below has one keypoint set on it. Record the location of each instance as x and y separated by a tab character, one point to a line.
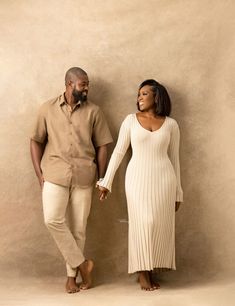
116	158
173	153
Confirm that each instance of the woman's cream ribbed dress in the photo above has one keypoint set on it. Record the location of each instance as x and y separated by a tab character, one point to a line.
152	187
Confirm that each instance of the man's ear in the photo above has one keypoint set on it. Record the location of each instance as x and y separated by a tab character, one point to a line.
68	83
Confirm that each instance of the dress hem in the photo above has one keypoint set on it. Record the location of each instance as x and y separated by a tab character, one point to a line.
155	270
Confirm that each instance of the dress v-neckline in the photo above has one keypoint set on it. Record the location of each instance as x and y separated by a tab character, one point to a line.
147	129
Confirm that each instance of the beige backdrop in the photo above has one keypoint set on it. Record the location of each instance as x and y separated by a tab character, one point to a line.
189	47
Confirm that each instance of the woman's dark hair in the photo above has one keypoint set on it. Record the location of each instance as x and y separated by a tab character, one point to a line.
162	99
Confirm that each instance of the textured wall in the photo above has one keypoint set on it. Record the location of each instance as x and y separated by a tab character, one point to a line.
186	45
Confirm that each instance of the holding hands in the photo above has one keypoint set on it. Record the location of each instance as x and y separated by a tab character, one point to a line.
103	192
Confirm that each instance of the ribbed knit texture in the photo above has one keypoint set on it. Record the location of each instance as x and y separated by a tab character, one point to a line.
152	186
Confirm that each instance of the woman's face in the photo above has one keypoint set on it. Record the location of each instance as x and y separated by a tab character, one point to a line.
146	99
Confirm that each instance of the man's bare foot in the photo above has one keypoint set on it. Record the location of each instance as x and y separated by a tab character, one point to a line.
71	286
85	269
153	281
144	280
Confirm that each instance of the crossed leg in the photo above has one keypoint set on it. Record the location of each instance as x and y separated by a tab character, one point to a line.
85	270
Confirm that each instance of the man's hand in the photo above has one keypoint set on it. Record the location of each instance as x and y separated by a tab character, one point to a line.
41	181
37	150
103	193
177	206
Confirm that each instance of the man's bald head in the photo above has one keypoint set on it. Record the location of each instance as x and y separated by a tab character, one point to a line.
73	74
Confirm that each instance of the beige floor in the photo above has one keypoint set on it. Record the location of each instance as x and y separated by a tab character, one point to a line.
124	292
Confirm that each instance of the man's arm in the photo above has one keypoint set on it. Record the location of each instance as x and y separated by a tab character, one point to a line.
37	150
101	157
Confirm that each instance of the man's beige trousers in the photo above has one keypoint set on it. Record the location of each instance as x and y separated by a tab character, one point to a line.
66	210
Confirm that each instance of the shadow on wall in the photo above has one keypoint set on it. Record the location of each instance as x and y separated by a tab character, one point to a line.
26	247
107	230
194	250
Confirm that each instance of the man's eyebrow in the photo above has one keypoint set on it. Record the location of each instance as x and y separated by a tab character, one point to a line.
84	82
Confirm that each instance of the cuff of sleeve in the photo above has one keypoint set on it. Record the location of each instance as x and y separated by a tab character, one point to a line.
103	143
102	184
37	139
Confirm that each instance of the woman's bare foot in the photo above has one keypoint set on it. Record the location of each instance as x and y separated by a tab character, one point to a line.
71	286
85	269
153	281
144	280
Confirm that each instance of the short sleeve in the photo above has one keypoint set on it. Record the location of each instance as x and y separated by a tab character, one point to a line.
39	132
101	134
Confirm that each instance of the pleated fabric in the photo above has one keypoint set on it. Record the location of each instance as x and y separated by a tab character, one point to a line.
152	185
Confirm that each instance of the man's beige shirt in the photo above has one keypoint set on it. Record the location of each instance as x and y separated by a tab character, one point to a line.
71	138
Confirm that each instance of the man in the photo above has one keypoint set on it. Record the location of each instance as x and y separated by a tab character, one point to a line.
69	139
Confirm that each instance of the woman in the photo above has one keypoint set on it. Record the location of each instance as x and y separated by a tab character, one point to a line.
152	183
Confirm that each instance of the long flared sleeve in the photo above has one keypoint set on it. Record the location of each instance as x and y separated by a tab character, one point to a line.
119	151
173	153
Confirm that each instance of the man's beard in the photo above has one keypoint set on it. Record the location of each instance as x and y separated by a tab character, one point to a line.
79	95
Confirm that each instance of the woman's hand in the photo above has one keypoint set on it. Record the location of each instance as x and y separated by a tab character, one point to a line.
103	193
177	206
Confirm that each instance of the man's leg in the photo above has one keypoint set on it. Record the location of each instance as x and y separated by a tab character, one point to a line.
77	214
55	202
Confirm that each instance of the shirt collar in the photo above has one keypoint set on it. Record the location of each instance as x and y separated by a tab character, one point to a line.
62	101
